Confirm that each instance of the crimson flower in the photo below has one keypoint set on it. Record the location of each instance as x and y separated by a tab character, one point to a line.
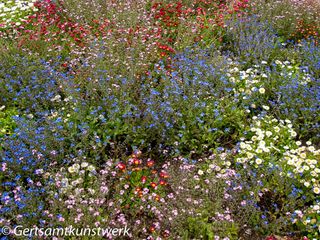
121	166
163	174
136	161
150	163
143	179
162	182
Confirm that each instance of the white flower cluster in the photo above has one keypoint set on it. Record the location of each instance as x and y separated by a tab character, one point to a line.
74	176
75	168
267	135
305	162
254	79
15	12
246	80
316	208
272	143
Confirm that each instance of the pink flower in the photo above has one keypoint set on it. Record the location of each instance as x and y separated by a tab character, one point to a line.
96	214
4	167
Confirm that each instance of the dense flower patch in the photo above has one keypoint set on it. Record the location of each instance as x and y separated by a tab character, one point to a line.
15	12
173	119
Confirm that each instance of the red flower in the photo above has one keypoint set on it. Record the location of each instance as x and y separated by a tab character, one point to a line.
153	184
121	166
163	54
143	179
162	182
157	198
150	163
163	174
136	161
152	229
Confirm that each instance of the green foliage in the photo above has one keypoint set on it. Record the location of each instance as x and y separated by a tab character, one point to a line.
202	228
7	124
122	120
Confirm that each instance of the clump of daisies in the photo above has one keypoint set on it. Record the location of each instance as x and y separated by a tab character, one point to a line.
256	78
13	13
272	156
267	136
271	142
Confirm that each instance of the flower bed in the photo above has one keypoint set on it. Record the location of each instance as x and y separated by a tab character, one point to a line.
159	119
